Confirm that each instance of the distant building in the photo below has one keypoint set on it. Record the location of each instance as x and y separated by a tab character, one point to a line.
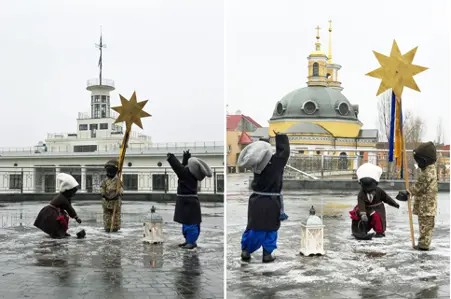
239	130
319	119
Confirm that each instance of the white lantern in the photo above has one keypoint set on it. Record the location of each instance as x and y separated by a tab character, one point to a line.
312	235
153	228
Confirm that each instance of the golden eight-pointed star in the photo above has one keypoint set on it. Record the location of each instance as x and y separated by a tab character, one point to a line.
396	71
131	111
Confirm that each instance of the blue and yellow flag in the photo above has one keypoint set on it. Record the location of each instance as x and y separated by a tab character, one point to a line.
395	141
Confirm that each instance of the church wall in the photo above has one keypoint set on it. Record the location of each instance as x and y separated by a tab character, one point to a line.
336	128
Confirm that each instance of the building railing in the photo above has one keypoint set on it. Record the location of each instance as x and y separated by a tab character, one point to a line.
96	81
135	179
87	115
323	165
319	163
154	148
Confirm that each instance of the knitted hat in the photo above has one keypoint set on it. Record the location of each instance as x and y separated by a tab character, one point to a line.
256	156
426	150
199	168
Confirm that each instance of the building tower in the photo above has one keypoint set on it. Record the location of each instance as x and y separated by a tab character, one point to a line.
100	90
332	68
317	63
100	122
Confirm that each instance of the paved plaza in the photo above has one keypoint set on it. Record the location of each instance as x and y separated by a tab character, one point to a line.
380	268
109	265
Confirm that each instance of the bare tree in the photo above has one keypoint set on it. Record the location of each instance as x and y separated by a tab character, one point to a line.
440	135
414	128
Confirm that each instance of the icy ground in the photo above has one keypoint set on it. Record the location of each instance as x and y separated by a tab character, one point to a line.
108	265
380	268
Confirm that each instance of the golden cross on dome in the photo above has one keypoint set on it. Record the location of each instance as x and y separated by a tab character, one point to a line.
317	31
396	71
131	111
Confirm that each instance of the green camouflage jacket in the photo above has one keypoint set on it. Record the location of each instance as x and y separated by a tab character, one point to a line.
425	192
108	189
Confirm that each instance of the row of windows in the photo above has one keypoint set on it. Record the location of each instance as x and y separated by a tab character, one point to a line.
84	127
130	181
310	107
100	99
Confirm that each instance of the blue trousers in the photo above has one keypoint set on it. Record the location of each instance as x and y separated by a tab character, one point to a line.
191	232
252	240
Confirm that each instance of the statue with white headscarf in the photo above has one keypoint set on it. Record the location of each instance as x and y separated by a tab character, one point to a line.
53	219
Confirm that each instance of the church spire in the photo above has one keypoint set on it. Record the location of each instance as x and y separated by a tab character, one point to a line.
318	43
330	42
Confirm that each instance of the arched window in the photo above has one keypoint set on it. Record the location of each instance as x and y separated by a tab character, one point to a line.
315	69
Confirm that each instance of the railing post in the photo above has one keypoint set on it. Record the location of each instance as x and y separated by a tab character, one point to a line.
214	180
322	166
21	182
165	181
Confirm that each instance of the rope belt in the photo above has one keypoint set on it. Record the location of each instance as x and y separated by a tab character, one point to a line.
187	195
372	206
267	193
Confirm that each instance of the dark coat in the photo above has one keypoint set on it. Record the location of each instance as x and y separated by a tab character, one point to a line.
377	205
187	209
264	211
46	220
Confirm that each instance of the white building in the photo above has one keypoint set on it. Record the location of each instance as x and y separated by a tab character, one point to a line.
96	140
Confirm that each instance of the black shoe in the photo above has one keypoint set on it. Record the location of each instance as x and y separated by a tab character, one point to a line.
182	244
190	246
420	248
267	257
245	255
379	235
66	235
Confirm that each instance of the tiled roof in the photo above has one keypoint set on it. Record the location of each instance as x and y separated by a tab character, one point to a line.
234	120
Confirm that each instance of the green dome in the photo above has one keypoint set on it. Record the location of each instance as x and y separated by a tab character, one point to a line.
315	102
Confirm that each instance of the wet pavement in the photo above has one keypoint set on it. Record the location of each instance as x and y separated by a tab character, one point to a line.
109	265
380	268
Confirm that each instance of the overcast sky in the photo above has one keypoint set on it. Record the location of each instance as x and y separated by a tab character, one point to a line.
170	52
267	43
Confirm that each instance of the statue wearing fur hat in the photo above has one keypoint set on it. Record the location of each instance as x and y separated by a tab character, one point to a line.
424	193
111	197
370	210
53	219
265	207
187	208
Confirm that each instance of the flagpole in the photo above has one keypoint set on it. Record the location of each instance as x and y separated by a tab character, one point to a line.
406	179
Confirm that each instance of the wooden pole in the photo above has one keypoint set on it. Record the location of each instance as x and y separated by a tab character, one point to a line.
119	168
406	180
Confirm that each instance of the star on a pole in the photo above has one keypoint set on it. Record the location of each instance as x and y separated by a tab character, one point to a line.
396	71
131	111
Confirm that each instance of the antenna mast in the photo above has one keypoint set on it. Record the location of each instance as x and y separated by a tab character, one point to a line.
100	46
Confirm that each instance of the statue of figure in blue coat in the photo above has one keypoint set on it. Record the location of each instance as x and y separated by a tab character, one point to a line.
265	210
187	207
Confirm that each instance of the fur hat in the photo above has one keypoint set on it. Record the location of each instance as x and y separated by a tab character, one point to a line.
112	163
369	170
81	234
199	168
66	182
256	156
426	150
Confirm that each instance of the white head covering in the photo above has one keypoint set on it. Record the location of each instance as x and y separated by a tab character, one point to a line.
199	168
256	156
66	181
369	170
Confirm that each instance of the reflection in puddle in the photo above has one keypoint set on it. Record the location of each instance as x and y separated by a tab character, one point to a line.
153	256
188	278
